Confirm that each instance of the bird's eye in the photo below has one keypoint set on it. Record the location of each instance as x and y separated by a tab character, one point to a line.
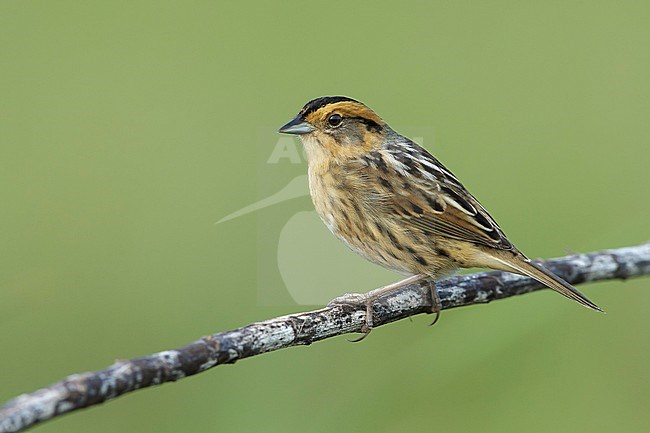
335	120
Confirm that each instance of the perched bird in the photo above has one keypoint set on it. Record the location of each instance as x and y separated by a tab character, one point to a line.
396	205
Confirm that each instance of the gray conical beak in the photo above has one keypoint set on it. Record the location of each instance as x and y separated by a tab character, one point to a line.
297	126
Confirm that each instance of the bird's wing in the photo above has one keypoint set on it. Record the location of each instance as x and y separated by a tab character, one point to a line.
422	194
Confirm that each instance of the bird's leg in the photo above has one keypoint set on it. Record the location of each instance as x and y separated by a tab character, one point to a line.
367	300
437	304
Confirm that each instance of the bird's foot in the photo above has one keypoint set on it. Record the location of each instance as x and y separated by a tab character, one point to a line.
356	300
436	306
366	300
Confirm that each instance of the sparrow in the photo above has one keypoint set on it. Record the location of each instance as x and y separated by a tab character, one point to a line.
396	205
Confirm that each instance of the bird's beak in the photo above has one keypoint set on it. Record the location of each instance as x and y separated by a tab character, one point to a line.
297	126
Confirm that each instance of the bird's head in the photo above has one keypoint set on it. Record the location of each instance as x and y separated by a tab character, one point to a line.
336	128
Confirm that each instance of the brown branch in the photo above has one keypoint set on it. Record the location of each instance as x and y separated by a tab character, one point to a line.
87	389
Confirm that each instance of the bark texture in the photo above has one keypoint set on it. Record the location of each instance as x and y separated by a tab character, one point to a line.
87	389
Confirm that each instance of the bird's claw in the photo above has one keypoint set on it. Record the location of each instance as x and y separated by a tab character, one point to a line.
437	313
356	300
436	307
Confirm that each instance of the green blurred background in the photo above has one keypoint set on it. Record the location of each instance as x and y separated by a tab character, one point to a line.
128	128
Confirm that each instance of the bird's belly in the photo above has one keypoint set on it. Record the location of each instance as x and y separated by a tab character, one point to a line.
380	239
371	248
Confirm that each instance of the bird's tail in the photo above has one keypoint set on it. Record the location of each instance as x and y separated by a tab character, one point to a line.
548	278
